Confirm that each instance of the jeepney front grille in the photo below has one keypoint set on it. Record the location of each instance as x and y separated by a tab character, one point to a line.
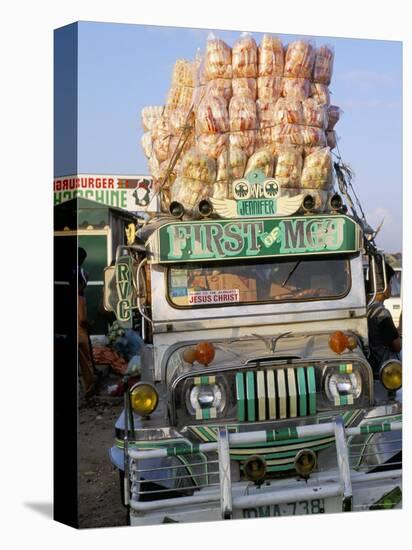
275	394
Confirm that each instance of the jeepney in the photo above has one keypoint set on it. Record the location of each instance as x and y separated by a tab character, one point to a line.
256	396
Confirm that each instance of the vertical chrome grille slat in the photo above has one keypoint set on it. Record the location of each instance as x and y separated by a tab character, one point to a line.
261	394
281	386
293	397
271	394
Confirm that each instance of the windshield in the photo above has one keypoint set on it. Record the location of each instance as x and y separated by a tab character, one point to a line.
396	284
243	283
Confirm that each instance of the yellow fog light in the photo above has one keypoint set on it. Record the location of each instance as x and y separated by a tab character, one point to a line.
305	462
255	469
391	375
143	398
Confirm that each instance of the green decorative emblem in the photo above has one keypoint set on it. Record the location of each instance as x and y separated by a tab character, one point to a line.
256	196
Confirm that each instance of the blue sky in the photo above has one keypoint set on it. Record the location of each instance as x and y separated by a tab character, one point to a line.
124	67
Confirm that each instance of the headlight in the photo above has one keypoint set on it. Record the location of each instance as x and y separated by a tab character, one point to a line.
205	397
342	388
390	375
143	398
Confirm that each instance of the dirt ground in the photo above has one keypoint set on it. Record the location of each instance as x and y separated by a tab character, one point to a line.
99	490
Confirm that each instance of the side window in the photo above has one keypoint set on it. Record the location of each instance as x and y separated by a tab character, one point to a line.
396	284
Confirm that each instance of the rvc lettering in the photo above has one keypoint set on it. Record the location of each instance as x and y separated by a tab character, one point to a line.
123	310
123	280
124	290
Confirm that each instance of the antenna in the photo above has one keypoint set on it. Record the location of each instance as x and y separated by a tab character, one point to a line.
344	176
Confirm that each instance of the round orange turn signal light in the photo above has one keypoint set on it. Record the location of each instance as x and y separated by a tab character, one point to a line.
205	353
338	341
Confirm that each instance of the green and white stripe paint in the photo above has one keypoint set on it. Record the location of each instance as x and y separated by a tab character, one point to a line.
302	391
205	413
278	393
240	396
345	368
281	383
368	429
209	432
250	396
204	433
268	436
282	434
261	394
282	448
310	371
293	396
204	380
342	400
271	390
375	428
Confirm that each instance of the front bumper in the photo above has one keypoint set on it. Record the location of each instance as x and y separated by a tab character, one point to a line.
216	496
250	502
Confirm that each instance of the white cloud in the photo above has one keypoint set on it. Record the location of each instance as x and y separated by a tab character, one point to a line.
376	216
369	104
368	80
389	237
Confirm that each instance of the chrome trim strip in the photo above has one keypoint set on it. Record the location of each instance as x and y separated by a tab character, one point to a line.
343	464
224	474
126	479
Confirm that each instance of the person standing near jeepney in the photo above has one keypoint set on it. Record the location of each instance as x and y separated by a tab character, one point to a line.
82	275
384	338
86	364
400	325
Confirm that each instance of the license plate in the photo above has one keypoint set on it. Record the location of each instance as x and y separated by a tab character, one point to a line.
299	508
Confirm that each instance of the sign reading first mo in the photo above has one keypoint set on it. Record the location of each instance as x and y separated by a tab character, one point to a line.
231	239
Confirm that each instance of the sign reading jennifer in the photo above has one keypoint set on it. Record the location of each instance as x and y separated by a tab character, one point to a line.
131	193
261	238
256	196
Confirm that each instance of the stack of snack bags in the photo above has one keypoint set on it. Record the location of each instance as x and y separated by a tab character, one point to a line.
163	125
248	107
195	181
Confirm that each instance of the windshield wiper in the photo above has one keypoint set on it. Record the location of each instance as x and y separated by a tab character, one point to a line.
292	271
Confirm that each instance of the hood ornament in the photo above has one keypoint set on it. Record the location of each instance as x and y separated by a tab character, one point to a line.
271	344
275	340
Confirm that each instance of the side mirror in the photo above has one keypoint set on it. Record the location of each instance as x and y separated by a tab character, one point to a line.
109	289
